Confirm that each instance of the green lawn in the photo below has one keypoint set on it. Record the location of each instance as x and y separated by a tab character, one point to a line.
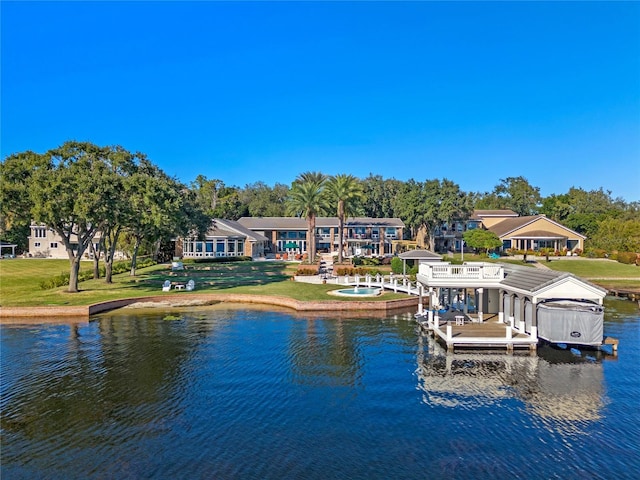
20	279
606	273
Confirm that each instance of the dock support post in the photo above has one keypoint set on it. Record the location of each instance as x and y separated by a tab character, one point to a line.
420	299
449	332
509	332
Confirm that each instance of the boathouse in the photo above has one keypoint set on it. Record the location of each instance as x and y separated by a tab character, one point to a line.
536	303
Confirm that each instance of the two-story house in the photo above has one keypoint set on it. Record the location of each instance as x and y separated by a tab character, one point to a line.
362	235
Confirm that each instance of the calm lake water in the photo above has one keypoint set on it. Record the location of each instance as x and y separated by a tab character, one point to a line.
239	393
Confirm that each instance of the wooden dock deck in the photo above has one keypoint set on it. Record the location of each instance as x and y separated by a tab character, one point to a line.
479	335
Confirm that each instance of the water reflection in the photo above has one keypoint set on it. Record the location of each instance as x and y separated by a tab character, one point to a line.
103	379
560	388
325	352
240	393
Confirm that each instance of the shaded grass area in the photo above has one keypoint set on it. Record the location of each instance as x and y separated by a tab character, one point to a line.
20	279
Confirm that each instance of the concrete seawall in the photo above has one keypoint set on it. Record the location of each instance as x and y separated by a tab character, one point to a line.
78	313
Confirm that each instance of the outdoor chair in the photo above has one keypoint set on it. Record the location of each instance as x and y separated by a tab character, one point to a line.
190	285
166	286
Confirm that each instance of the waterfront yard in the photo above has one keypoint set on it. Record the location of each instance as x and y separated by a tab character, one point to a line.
20	282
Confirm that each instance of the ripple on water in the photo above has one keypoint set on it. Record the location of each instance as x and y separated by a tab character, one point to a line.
246	394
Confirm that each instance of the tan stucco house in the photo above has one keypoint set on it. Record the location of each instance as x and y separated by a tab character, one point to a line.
532	232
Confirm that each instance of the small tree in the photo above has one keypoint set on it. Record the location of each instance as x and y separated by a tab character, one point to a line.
481	239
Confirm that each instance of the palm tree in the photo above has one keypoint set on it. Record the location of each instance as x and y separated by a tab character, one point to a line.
343	191
306	198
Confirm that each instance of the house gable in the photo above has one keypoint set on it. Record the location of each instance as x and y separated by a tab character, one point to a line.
528	226
570	287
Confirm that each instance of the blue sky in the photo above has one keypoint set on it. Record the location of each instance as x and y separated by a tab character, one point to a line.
247	92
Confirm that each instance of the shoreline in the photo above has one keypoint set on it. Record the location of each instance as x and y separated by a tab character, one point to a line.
50	314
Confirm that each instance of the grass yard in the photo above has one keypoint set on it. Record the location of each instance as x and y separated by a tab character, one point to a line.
20	282
596	269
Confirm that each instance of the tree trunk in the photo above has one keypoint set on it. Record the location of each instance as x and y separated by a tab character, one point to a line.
96	261
134	257
74	264
84	240
109	253
340	239
311	241
340	230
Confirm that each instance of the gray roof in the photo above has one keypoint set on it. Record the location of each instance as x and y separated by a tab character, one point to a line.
297	223
493	213
230	228
419	255
534	279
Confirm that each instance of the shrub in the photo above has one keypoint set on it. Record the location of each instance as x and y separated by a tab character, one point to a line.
307	270
628	258
396	265
222	259
371	261
118	267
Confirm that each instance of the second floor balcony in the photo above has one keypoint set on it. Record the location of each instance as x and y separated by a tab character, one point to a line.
472	273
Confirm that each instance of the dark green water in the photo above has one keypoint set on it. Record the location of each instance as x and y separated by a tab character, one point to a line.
250	394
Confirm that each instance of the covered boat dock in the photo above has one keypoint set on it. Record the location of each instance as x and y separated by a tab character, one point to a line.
480	304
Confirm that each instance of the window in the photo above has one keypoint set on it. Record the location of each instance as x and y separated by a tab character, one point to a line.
220	246
240	247
40	232
53	245
37	244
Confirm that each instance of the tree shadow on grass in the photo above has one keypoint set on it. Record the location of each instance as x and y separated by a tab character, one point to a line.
217	276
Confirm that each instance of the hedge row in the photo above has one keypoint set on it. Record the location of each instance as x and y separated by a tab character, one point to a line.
118	267
217	260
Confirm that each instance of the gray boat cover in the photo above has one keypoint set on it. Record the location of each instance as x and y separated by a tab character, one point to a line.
570	321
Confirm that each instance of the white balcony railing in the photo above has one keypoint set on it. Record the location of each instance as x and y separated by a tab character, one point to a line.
479	271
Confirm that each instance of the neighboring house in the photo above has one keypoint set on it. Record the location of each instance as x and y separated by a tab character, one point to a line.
4	246
46	243
225	238
536	232
362	235
520	233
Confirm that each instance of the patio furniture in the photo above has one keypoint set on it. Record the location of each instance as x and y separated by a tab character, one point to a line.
166	286
459	319
190	285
